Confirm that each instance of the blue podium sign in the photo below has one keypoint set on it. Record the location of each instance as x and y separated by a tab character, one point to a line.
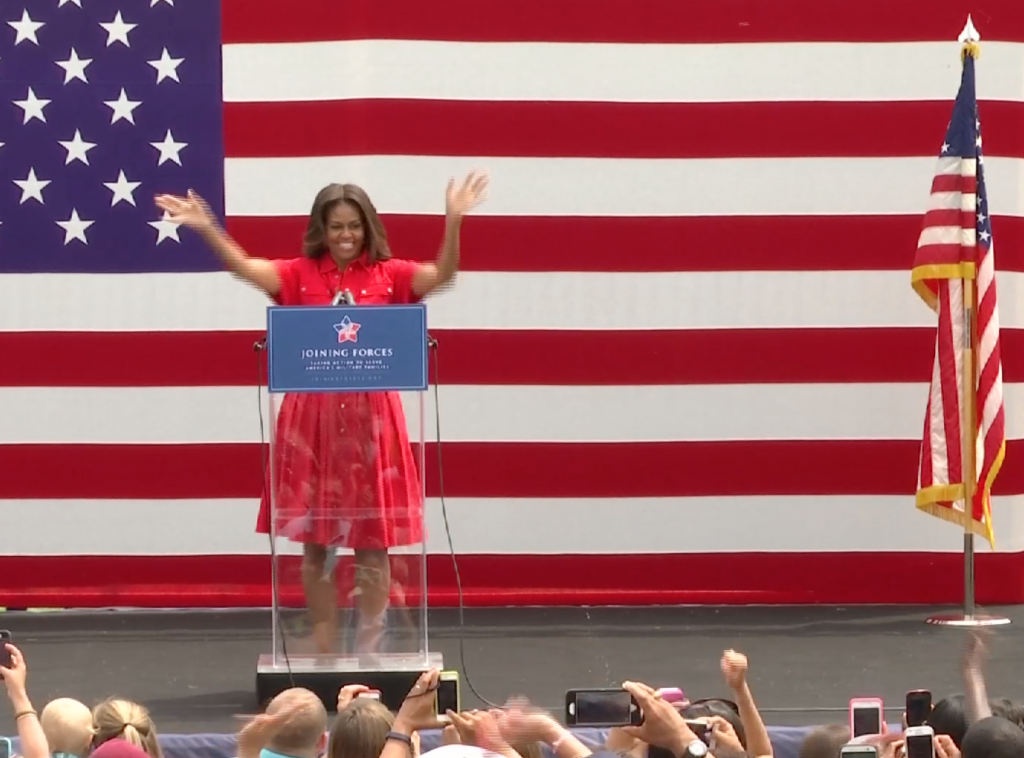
347	348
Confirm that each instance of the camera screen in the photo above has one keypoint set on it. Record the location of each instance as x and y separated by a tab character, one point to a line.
603	707
866	721
919	746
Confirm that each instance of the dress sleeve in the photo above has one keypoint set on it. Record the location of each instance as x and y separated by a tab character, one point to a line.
402	272
287	272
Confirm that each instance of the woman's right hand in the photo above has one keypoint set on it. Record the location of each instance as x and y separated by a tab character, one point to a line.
191	211
419	710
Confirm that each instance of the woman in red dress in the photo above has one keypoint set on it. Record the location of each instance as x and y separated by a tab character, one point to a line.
344	471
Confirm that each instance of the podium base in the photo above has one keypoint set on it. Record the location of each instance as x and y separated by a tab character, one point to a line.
972	621
393	675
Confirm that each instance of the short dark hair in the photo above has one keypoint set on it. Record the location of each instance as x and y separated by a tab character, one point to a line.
993	737
375	239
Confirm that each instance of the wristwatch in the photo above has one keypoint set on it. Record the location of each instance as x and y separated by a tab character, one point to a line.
695	749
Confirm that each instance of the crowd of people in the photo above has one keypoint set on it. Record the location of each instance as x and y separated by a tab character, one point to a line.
296	724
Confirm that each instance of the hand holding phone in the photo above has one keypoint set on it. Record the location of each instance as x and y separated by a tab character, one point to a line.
919	742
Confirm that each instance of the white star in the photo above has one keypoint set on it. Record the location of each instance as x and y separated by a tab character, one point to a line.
166	230
169	149
26	29
74	67
122	108
117	30
122	190
32	106
74	228
78	149
62	3
945	147
978	141
166	67
152	3
984	236
31	187
981	218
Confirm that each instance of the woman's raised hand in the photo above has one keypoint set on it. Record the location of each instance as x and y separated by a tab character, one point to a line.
191	211
462	199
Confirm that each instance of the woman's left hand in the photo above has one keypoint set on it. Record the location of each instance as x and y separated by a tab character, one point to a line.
461	200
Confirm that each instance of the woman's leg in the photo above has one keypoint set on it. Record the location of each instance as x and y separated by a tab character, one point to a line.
321	597
373	590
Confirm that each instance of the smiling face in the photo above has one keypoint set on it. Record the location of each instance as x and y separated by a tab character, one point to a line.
345	232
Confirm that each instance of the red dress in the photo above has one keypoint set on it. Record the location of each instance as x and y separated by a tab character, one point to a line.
344	471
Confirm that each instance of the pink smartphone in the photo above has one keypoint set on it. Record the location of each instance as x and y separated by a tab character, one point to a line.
866	716
672	695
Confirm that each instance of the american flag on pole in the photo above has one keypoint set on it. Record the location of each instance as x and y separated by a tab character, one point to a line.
956	251
680	363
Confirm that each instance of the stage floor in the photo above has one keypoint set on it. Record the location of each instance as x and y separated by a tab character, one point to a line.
196	669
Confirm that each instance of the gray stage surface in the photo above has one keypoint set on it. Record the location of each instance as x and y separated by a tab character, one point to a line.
195	670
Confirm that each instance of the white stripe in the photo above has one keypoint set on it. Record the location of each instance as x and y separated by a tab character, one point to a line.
414	184
524	526
940	235
616	72
503	300
475	413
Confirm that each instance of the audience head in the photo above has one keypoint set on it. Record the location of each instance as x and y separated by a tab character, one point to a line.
303	735
825	741
116	718
993	737
949	717
67	724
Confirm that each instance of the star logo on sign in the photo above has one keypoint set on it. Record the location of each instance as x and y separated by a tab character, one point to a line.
347	330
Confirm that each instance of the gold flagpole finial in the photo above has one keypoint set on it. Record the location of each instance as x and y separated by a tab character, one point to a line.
969	39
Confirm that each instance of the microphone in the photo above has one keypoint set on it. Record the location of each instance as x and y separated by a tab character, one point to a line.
343	297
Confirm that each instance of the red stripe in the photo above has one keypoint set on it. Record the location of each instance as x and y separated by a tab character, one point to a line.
212	581
949	383
622	130
619	21
495	469
560	243
733	356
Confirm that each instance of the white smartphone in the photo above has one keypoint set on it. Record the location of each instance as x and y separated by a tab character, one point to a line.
369	695
866	716
858	751
919	742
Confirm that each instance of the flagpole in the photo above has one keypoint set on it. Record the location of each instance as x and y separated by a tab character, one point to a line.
969	430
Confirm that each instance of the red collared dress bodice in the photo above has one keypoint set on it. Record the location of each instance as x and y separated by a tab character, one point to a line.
344	473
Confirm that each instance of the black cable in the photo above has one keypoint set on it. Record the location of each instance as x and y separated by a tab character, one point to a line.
258	348
448	534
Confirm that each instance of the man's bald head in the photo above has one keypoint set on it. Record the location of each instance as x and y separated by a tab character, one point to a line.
303	733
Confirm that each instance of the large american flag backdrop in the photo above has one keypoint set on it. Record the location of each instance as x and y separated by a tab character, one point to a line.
682	362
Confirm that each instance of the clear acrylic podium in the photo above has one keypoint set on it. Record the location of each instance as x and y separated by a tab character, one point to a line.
346	500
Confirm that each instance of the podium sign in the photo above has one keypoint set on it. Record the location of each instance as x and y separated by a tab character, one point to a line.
349	600
347	348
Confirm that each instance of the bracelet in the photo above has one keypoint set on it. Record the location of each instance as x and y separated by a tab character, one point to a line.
399	737
29	712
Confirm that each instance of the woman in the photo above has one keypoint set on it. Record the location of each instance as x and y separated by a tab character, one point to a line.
344	472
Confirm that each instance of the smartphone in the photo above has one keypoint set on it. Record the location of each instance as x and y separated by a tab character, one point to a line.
5	746
919	742
601	707
369	695
866	714
919	707
5	654
858	751
672	695
701	730
448	697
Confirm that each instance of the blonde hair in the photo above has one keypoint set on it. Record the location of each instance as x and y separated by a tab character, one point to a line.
116	718
304	729
67	724
360	730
